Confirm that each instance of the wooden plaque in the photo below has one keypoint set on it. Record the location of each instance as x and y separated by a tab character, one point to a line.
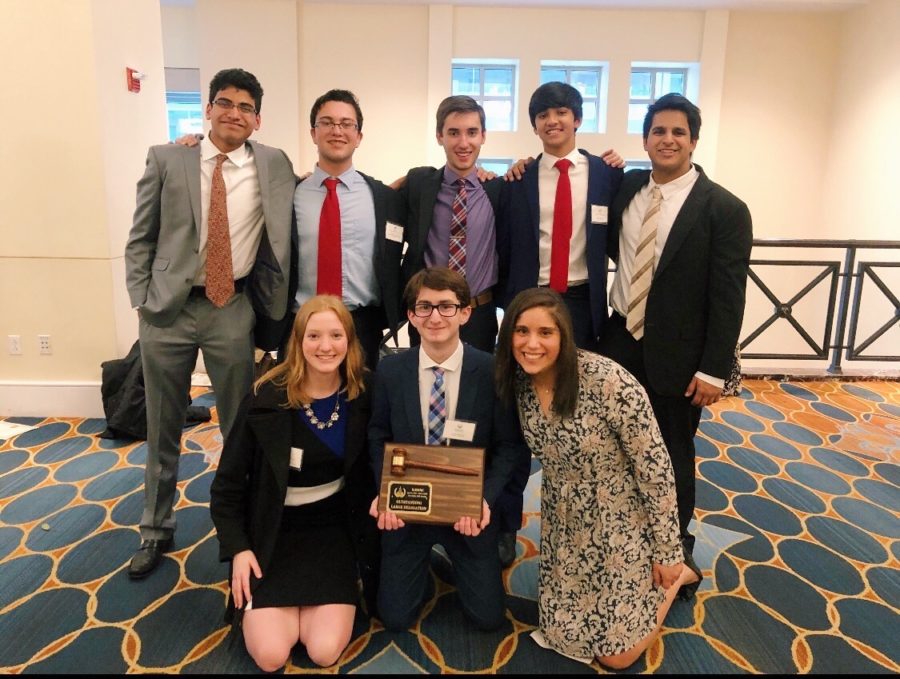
427	495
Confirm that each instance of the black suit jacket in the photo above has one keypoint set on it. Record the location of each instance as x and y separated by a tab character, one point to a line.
248	491
397	414
418	197
272	334
518	234
696	301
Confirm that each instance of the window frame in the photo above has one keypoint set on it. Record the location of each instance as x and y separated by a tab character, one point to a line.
601	100
493	64
690	71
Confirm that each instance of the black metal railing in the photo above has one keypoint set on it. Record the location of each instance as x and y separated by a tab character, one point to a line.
846	278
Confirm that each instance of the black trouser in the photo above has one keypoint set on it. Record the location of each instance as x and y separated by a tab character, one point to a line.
578	301
678	419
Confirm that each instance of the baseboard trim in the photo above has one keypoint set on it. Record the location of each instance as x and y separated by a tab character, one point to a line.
50	399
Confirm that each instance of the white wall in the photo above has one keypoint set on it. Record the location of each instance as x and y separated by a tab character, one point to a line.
67	188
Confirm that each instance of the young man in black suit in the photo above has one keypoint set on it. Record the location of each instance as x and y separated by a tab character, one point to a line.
407	386
676	325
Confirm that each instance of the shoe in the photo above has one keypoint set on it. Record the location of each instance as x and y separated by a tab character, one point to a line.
686	592
147	558
506	548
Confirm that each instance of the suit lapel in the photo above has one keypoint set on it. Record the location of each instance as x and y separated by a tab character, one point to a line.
467	401
532	191
262	174
688	218
427	199
192	170
409	385
273	432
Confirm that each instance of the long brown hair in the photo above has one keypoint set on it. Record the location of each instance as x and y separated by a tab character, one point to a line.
565	395
292	372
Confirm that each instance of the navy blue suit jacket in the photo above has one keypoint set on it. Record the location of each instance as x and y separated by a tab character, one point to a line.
518	234
397	414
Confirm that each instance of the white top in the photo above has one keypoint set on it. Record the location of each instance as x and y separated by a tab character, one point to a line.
245	215
452	370
547	180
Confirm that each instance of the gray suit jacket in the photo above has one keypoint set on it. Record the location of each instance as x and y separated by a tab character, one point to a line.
161	256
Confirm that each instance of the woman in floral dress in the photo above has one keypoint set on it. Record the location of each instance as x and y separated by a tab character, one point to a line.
611	559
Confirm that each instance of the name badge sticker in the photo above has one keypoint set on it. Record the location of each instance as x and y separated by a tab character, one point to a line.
459	430
296	458
599	214
393	232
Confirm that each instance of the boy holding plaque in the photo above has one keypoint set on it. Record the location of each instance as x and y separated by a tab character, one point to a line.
420	396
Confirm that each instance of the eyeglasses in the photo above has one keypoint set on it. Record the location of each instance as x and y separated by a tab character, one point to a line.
327	125
445	309
227	104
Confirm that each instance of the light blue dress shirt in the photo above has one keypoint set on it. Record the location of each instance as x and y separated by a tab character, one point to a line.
360	285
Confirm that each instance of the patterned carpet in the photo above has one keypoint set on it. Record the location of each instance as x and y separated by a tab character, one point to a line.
797	524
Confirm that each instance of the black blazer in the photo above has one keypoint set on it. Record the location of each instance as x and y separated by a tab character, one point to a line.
397	414
518	234
696	303
248	491
418	196
272	334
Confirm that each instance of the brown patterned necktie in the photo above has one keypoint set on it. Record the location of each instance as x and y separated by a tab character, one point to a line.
219	270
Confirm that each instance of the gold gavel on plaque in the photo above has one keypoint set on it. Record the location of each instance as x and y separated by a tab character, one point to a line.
400	462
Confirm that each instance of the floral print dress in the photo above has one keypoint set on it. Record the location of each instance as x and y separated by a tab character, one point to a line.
608	511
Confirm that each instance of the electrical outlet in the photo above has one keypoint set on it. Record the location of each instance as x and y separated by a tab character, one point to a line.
44	345
14	345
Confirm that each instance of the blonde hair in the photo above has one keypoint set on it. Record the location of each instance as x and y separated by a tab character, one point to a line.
291	373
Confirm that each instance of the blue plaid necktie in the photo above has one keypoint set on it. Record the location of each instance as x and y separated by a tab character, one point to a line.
437	408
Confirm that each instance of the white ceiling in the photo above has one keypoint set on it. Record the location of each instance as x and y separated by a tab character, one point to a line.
778	5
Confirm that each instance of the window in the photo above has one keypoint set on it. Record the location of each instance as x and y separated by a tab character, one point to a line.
183	108
493	85
651	81
631	164
589	78
498	166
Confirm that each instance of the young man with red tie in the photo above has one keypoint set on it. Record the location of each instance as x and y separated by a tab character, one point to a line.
349	240
552	228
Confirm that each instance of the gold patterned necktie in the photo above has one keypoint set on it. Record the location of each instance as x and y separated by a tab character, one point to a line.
644	265
219	269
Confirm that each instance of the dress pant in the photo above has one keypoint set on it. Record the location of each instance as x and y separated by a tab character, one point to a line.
678	419
370	323
405	558
578	301
225	335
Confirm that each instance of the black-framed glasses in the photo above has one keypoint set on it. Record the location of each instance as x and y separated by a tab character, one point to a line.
445	309
327	124
227	104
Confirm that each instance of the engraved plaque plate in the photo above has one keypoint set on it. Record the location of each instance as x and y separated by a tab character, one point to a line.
452	487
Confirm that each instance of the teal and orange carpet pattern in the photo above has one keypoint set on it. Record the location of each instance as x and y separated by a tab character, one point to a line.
798	527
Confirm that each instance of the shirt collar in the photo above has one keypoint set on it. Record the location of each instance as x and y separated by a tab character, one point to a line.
239	156
347	177
452	363
450	176
670	188
548	160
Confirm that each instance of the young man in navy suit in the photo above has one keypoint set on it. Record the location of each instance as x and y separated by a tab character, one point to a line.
406	386
553	224
677	336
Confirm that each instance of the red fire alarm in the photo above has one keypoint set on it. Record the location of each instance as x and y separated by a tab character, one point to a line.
133	79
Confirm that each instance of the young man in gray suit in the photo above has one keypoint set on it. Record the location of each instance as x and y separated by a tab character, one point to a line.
209	249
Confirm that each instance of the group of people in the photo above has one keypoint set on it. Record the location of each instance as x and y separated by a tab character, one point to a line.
230	251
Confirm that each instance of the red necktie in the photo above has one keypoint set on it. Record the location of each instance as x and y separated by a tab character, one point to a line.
562	228
329	280
219	269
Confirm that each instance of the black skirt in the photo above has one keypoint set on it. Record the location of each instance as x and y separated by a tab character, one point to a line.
313	561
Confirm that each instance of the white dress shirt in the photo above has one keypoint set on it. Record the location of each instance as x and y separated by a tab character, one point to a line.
245	215
548	177
452	369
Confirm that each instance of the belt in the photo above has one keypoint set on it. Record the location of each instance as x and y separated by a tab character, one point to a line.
200	290
483	298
